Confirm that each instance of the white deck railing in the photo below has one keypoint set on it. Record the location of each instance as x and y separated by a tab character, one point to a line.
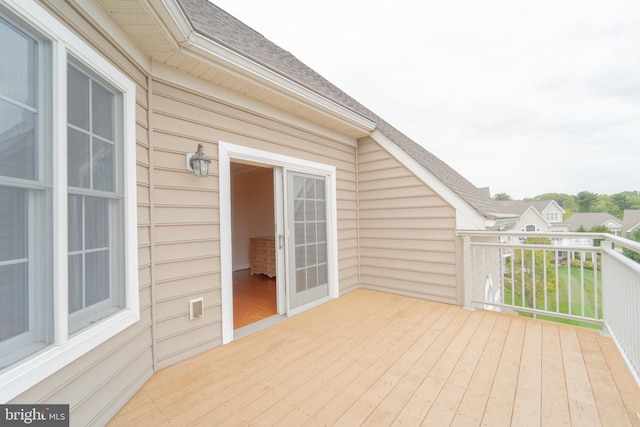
580	278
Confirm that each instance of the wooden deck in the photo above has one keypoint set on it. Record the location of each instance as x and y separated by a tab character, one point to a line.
370	358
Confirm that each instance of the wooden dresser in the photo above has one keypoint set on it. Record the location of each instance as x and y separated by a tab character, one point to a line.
263	256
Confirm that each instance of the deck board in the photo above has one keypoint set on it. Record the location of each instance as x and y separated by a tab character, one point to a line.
499	409
526	410
582	405
554	404
396	331
371	358
416	409
402	390
446	404
625	383
472	406
610	406
393	367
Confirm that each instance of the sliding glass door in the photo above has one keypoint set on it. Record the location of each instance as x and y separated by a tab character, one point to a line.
306	203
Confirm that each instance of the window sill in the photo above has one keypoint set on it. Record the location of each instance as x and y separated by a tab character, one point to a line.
17	378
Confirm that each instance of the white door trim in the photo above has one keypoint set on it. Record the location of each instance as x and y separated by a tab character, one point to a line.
228	152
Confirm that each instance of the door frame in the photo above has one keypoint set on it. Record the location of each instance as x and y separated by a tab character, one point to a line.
228	152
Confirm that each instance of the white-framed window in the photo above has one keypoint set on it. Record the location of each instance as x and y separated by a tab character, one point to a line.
95	197
552	216
25	194
68	251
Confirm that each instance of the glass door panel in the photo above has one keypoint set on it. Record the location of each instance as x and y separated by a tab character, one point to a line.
307	225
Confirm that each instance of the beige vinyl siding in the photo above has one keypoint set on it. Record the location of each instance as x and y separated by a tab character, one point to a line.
347	232
187	208
407	232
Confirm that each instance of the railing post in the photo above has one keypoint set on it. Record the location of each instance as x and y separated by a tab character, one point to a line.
467	259
607	245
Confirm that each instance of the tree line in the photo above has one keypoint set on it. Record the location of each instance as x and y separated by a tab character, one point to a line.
586	201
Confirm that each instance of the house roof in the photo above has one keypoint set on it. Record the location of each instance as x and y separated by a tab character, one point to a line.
590	219
630	221
519	207
214	23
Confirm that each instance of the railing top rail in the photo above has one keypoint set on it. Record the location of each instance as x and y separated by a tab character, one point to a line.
574	248
620	241
626	243
533	234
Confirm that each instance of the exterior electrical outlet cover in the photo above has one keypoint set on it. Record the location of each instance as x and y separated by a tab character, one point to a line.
196	308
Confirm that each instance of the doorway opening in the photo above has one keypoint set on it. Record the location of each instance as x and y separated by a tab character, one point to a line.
295	201
253	241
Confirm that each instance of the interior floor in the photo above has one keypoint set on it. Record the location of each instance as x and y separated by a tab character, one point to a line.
254	298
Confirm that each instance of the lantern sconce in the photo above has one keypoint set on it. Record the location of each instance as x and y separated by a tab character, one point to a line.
198	162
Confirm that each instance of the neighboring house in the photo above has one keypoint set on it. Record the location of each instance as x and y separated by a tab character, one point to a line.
539	215
630	221
588	220
544	216
110	246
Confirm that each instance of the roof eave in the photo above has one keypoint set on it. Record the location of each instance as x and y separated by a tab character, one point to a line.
192	43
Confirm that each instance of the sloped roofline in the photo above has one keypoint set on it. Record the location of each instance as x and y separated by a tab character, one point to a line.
258	59
178	24
553	202
537	212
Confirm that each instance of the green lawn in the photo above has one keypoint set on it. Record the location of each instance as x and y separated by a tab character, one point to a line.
577	295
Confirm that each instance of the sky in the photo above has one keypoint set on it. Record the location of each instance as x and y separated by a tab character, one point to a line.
523	97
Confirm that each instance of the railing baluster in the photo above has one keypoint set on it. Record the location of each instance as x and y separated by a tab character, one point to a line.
523	276
546	291
534	303
557	284
513	276
569	271
502	273
596	314
582	259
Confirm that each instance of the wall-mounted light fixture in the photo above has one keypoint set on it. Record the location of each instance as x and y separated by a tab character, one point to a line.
198	162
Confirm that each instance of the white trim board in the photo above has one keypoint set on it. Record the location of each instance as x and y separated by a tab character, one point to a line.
166	74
